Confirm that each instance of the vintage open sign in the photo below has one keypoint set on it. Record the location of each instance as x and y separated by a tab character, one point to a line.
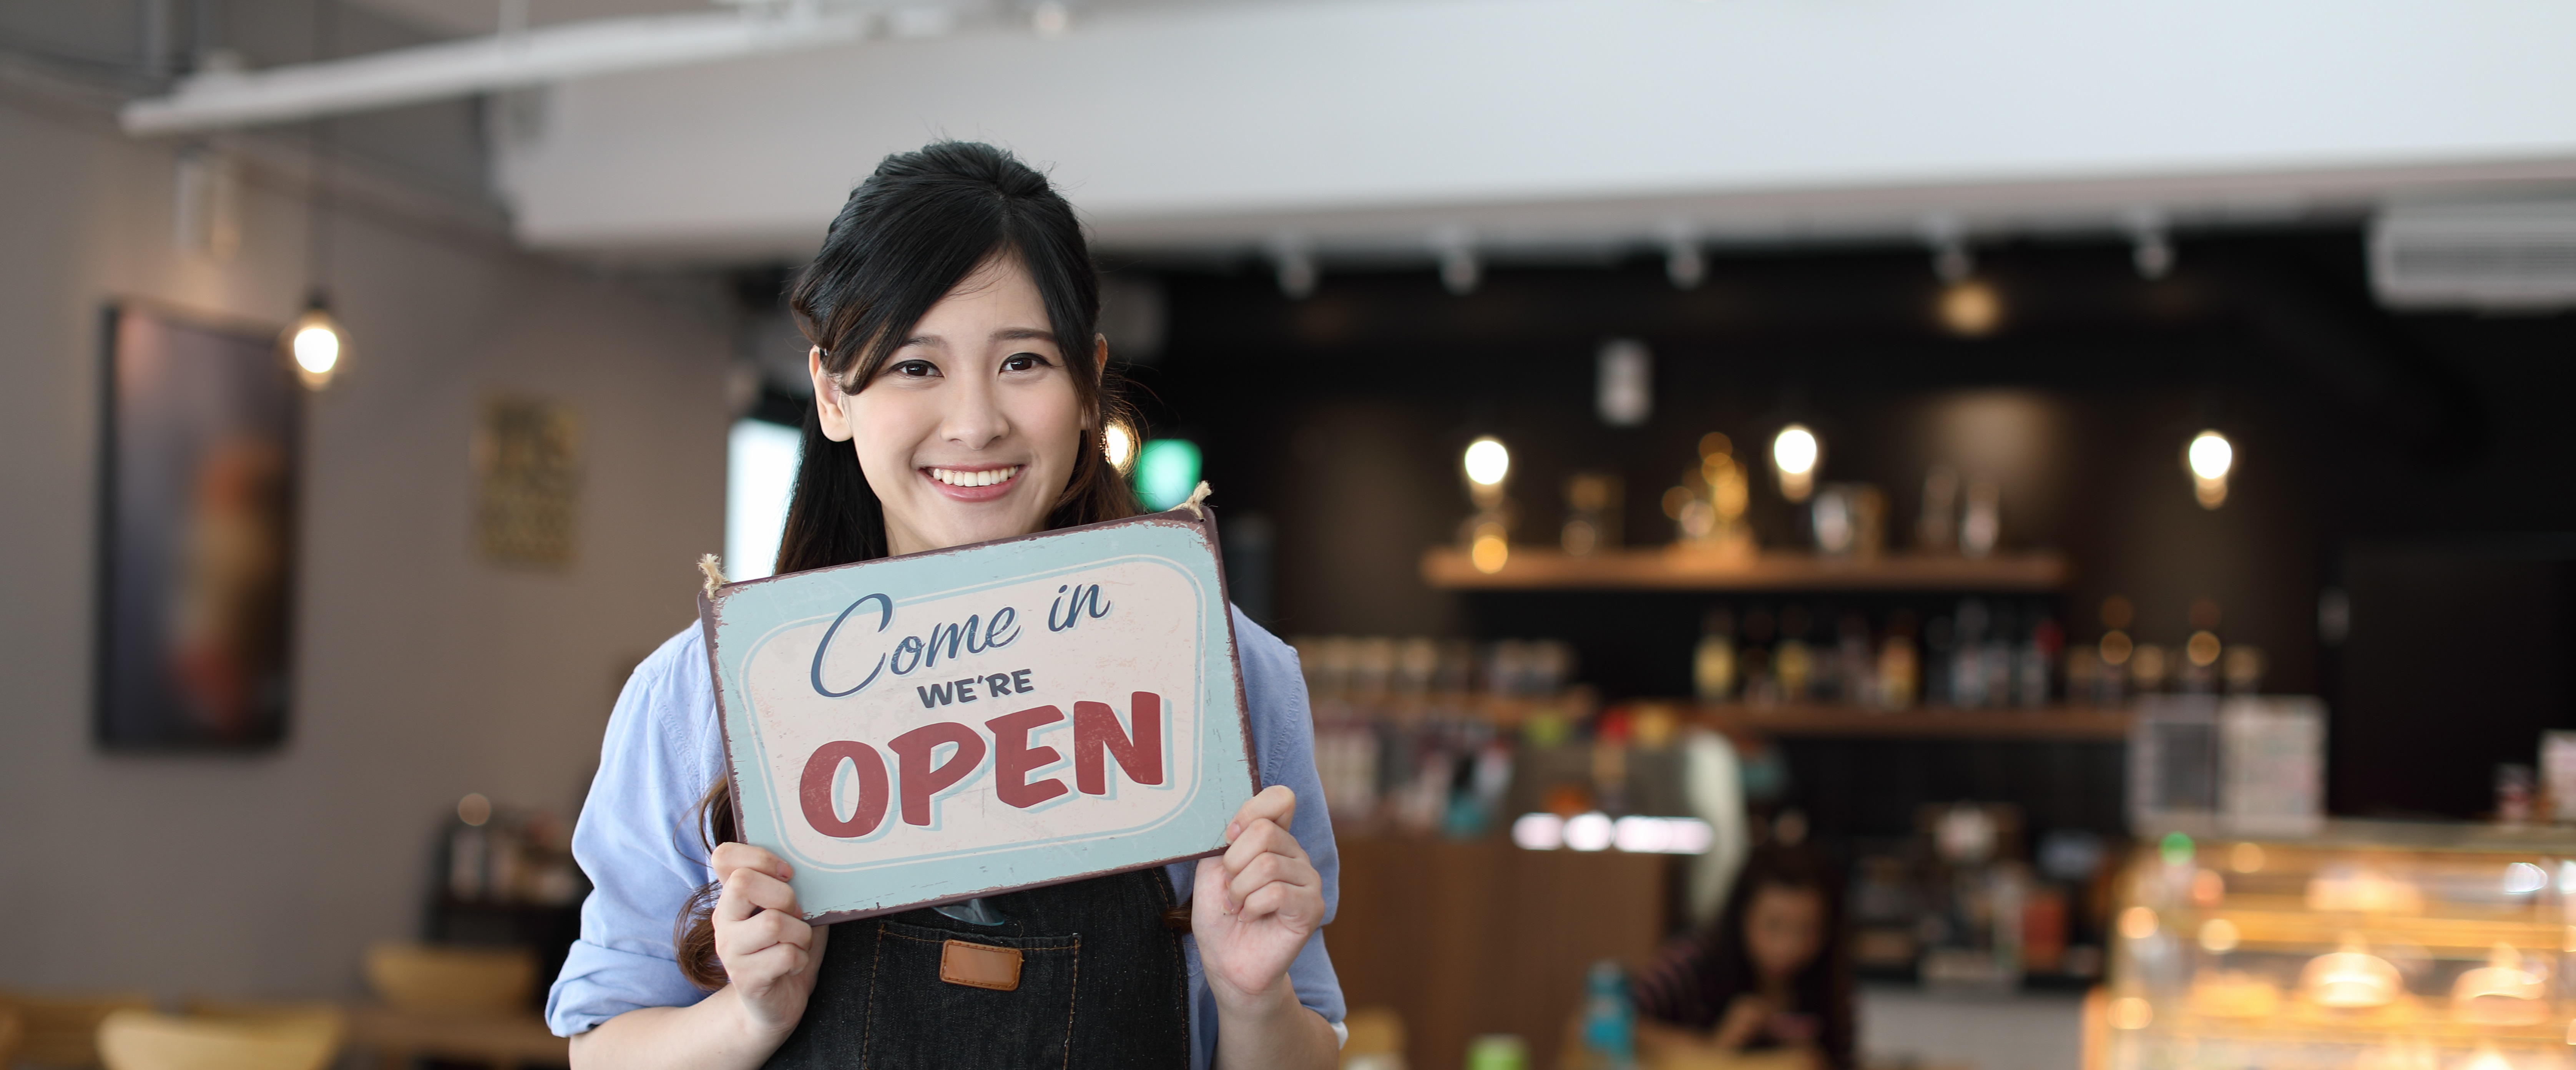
923	729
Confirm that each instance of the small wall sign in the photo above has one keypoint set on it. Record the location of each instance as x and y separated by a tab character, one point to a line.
924	729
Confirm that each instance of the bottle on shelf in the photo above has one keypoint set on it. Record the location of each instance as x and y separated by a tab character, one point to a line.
1713	663
1900	668
1609	1019
1794	662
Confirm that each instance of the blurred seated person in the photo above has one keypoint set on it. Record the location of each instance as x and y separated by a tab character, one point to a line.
1769	978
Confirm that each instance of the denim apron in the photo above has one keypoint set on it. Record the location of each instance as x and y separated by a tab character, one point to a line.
1100	982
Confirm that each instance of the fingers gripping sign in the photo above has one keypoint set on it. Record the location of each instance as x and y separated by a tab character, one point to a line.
1253	907
768	950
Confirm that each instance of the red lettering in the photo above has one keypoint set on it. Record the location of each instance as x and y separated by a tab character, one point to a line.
1096	730
1014	759
814	792
912	752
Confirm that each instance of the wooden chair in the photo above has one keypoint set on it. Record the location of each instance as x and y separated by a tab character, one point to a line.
149	1040
62	1030
452	980
317	1014
1376	1041
454	1004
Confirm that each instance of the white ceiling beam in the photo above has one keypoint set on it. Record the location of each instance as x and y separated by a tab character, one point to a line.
218	100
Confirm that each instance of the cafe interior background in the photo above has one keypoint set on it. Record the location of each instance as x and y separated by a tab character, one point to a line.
2097	475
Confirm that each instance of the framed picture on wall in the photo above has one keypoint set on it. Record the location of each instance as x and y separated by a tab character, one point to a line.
202	446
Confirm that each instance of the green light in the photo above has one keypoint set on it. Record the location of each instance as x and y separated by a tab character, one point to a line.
2176	848
1166	472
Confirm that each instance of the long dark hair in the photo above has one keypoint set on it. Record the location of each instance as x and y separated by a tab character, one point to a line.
906	237
1824	987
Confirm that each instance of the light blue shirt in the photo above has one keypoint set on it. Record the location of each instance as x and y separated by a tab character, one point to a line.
637	842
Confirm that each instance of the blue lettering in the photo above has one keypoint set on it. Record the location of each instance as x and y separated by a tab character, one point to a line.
885	616
911	644
1073	613
951	634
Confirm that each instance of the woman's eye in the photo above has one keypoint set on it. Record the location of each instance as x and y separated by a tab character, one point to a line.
913	369
1021	362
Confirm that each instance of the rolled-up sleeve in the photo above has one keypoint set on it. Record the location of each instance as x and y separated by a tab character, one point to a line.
637	842
1283	743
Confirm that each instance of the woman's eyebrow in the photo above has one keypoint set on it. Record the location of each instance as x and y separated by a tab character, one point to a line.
1023	334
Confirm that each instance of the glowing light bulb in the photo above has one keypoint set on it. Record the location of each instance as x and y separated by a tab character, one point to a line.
1794	450
2138	923
317	349
1488	462
1971	308
1590	831
315	345
1794	453
2211	455
1119	445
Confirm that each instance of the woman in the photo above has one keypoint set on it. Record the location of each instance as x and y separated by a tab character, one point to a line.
958	397
1770	974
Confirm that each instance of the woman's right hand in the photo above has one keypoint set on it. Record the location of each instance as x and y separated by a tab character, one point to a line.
1742	1024
770	954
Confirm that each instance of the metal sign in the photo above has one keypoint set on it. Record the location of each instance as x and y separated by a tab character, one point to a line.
924	729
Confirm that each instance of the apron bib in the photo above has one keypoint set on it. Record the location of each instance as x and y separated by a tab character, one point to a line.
1098	981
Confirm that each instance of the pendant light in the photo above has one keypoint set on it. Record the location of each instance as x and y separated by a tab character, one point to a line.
315	345
314	342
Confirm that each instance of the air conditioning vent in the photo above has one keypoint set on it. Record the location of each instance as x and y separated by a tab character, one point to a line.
2518	255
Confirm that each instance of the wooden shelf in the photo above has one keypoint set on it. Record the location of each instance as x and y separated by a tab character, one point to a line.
1534	568
1851	722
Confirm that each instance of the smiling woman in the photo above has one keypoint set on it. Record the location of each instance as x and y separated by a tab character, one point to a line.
960	391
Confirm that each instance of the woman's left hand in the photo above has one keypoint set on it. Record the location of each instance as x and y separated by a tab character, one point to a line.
1254	906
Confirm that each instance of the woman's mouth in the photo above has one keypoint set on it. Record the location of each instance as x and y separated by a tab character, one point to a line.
974	484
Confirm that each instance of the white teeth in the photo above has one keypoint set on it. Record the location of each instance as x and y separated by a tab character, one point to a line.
958	478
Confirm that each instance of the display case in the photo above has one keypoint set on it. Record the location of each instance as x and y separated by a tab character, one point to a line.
2366	946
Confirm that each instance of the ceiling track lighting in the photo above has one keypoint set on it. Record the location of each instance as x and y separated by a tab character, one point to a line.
1460	270
2151	248
1293	261
1951	259
1684	262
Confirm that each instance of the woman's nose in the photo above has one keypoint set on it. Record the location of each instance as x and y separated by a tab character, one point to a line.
974	418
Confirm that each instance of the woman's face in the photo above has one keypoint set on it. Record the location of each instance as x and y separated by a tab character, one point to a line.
1783	930
970	429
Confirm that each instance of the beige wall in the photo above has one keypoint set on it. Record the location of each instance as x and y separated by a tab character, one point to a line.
422	673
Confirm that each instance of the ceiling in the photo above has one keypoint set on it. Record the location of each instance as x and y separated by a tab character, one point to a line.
1398	126
1405	127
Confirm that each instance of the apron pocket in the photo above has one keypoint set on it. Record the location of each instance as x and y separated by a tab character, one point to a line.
917	1019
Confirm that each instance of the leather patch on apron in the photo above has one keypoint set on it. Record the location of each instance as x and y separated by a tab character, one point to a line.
980	965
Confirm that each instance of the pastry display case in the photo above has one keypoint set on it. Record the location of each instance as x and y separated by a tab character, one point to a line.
2365	946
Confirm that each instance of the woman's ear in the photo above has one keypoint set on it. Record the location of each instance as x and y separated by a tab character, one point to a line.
829	404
